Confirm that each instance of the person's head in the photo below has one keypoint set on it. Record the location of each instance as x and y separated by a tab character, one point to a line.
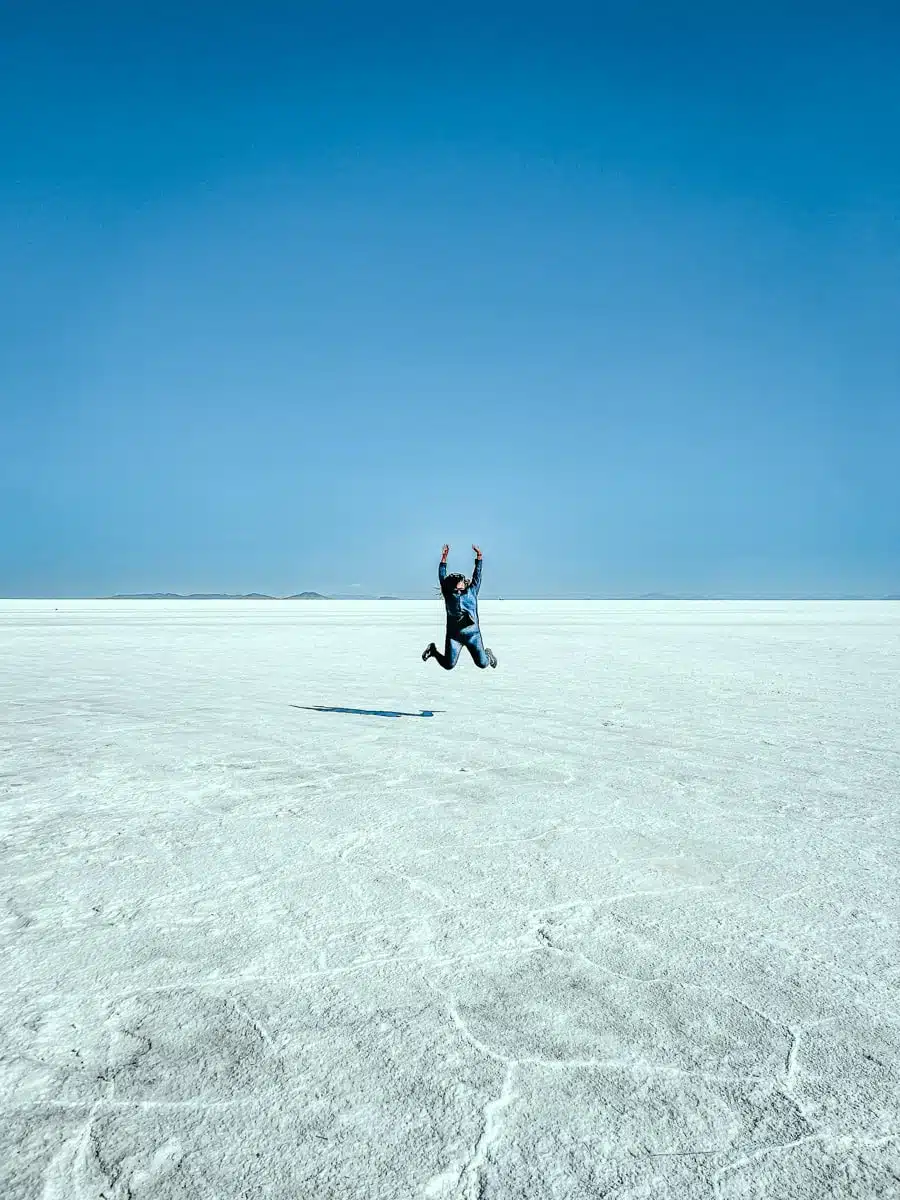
458	583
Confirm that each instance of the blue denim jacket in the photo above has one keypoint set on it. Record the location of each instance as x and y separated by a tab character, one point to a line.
462	607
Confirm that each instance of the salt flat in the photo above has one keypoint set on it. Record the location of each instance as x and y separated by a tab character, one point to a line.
620	919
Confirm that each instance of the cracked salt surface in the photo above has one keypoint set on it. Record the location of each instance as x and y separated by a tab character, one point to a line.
619	919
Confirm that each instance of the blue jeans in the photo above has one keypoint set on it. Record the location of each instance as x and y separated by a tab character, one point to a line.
470	637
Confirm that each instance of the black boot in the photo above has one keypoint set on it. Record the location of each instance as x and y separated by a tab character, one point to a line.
492	657
429	652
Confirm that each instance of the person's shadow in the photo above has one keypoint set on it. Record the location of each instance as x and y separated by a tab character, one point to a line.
365	712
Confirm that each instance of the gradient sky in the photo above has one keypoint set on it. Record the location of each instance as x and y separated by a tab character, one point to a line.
290	294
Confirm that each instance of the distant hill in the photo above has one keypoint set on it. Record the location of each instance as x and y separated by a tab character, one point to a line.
307	596
192	596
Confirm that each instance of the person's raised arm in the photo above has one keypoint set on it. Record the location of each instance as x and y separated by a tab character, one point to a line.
442	568
476	574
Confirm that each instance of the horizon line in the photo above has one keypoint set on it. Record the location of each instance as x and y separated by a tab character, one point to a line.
343	598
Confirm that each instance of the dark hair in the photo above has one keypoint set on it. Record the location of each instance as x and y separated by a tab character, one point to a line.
452	580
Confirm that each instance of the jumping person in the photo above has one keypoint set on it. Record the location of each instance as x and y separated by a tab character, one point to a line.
461	601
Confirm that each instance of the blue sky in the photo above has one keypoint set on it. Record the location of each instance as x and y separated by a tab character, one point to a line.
291	294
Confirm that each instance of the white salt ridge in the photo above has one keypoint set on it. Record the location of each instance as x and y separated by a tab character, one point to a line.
620	918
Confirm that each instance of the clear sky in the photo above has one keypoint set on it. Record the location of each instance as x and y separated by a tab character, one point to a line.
290	294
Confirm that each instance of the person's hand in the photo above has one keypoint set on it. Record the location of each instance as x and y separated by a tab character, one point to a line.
477	552
444	552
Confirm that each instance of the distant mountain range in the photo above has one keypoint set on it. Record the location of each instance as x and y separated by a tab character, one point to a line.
215	596
358	596
757	596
